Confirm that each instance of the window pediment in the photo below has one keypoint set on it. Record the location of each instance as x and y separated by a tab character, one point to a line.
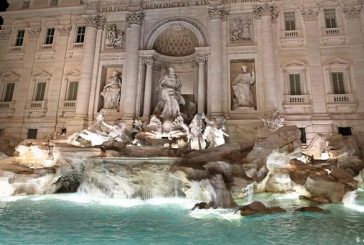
73	73
337	63
42	75
294	65
9	76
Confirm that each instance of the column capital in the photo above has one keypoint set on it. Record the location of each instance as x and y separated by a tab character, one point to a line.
310	14
201	59
5	32
148	61
267	9
97	21
135	18
34	31
64	30
352	12
216	12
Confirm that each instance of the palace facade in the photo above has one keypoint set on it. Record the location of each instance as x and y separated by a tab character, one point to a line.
235	58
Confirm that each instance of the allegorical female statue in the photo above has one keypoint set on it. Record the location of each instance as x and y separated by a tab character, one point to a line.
242	88
112	92
170	97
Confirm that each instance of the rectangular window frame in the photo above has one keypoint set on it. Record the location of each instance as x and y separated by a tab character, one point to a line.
7	94
25	4
295	84
290	21
72	90
49	37
80	34
40	93
32	133
19	40
338	82
330	18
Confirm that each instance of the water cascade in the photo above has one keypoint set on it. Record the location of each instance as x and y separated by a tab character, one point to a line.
349	201
117	180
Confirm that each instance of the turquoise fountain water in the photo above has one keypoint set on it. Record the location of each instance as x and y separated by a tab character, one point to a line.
84	219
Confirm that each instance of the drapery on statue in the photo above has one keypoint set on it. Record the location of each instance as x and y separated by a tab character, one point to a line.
242	88
112	92
170	97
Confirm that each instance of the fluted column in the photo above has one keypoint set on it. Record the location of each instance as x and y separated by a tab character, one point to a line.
148	87
201	60
135	20
215	102
93	22
266	12
352	15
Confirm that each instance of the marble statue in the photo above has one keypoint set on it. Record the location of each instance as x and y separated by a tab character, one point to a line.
215	132
112	92
196	140
100	132
242	85
115	38
273	121
170	97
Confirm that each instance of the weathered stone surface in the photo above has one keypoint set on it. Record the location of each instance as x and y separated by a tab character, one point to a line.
321	186
258	208
317	146
309	209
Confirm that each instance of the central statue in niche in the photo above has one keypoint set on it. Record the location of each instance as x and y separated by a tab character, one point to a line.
170	98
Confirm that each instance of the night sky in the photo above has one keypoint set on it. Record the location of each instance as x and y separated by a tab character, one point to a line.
3	6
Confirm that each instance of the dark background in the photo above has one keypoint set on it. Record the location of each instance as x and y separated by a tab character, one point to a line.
3	6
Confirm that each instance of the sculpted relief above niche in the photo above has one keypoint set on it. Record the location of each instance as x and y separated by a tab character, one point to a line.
241	29
115	36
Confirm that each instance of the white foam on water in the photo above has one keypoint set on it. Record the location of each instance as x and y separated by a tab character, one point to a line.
225	214
349	201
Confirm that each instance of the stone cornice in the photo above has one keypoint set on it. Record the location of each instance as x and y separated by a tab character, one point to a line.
267	9
217	12
97	21
134	18
310	14
352	12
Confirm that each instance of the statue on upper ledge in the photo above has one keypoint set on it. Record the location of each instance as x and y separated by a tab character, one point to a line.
242	88
112	92
170	97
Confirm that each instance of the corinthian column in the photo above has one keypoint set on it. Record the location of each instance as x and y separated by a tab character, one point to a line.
135	20
201	60
214	87
148	87
266	12
93	22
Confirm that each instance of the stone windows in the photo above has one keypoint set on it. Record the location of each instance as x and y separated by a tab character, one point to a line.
8	92
330	18
72	91
80	35
344	131
32	133
39	93
19	38
290	21
338	83
295	84
49	36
